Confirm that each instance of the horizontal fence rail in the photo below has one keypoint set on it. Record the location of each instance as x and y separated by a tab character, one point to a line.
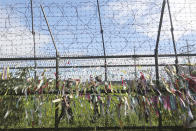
94	66
92	57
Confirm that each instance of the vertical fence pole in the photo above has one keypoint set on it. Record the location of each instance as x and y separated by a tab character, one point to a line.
101	30
135	65
57	67
33	33
189	61
173	39
57	80
156	57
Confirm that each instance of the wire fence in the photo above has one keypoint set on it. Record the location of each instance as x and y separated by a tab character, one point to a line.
129	28
79	38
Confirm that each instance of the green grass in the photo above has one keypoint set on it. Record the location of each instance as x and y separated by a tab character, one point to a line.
39	111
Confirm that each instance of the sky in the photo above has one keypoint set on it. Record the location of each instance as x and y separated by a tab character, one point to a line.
75	26
127	24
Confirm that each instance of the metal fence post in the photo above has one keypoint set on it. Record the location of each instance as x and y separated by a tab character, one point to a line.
33	33
156	58
189	61
57	82
173	39
57	67
101	30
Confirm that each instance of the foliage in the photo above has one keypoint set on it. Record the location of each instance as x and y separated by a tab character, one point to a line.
36	108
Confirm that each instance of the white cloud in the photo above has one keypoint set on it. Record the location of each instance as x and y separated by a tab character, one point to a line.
16	40
145	15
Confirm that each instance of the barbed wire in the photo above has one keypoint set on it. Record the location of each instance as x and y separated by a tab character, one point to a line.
127	26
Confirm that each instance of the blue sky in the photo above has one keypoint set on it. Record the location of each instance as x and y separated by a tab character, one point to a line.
75	26
126	24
